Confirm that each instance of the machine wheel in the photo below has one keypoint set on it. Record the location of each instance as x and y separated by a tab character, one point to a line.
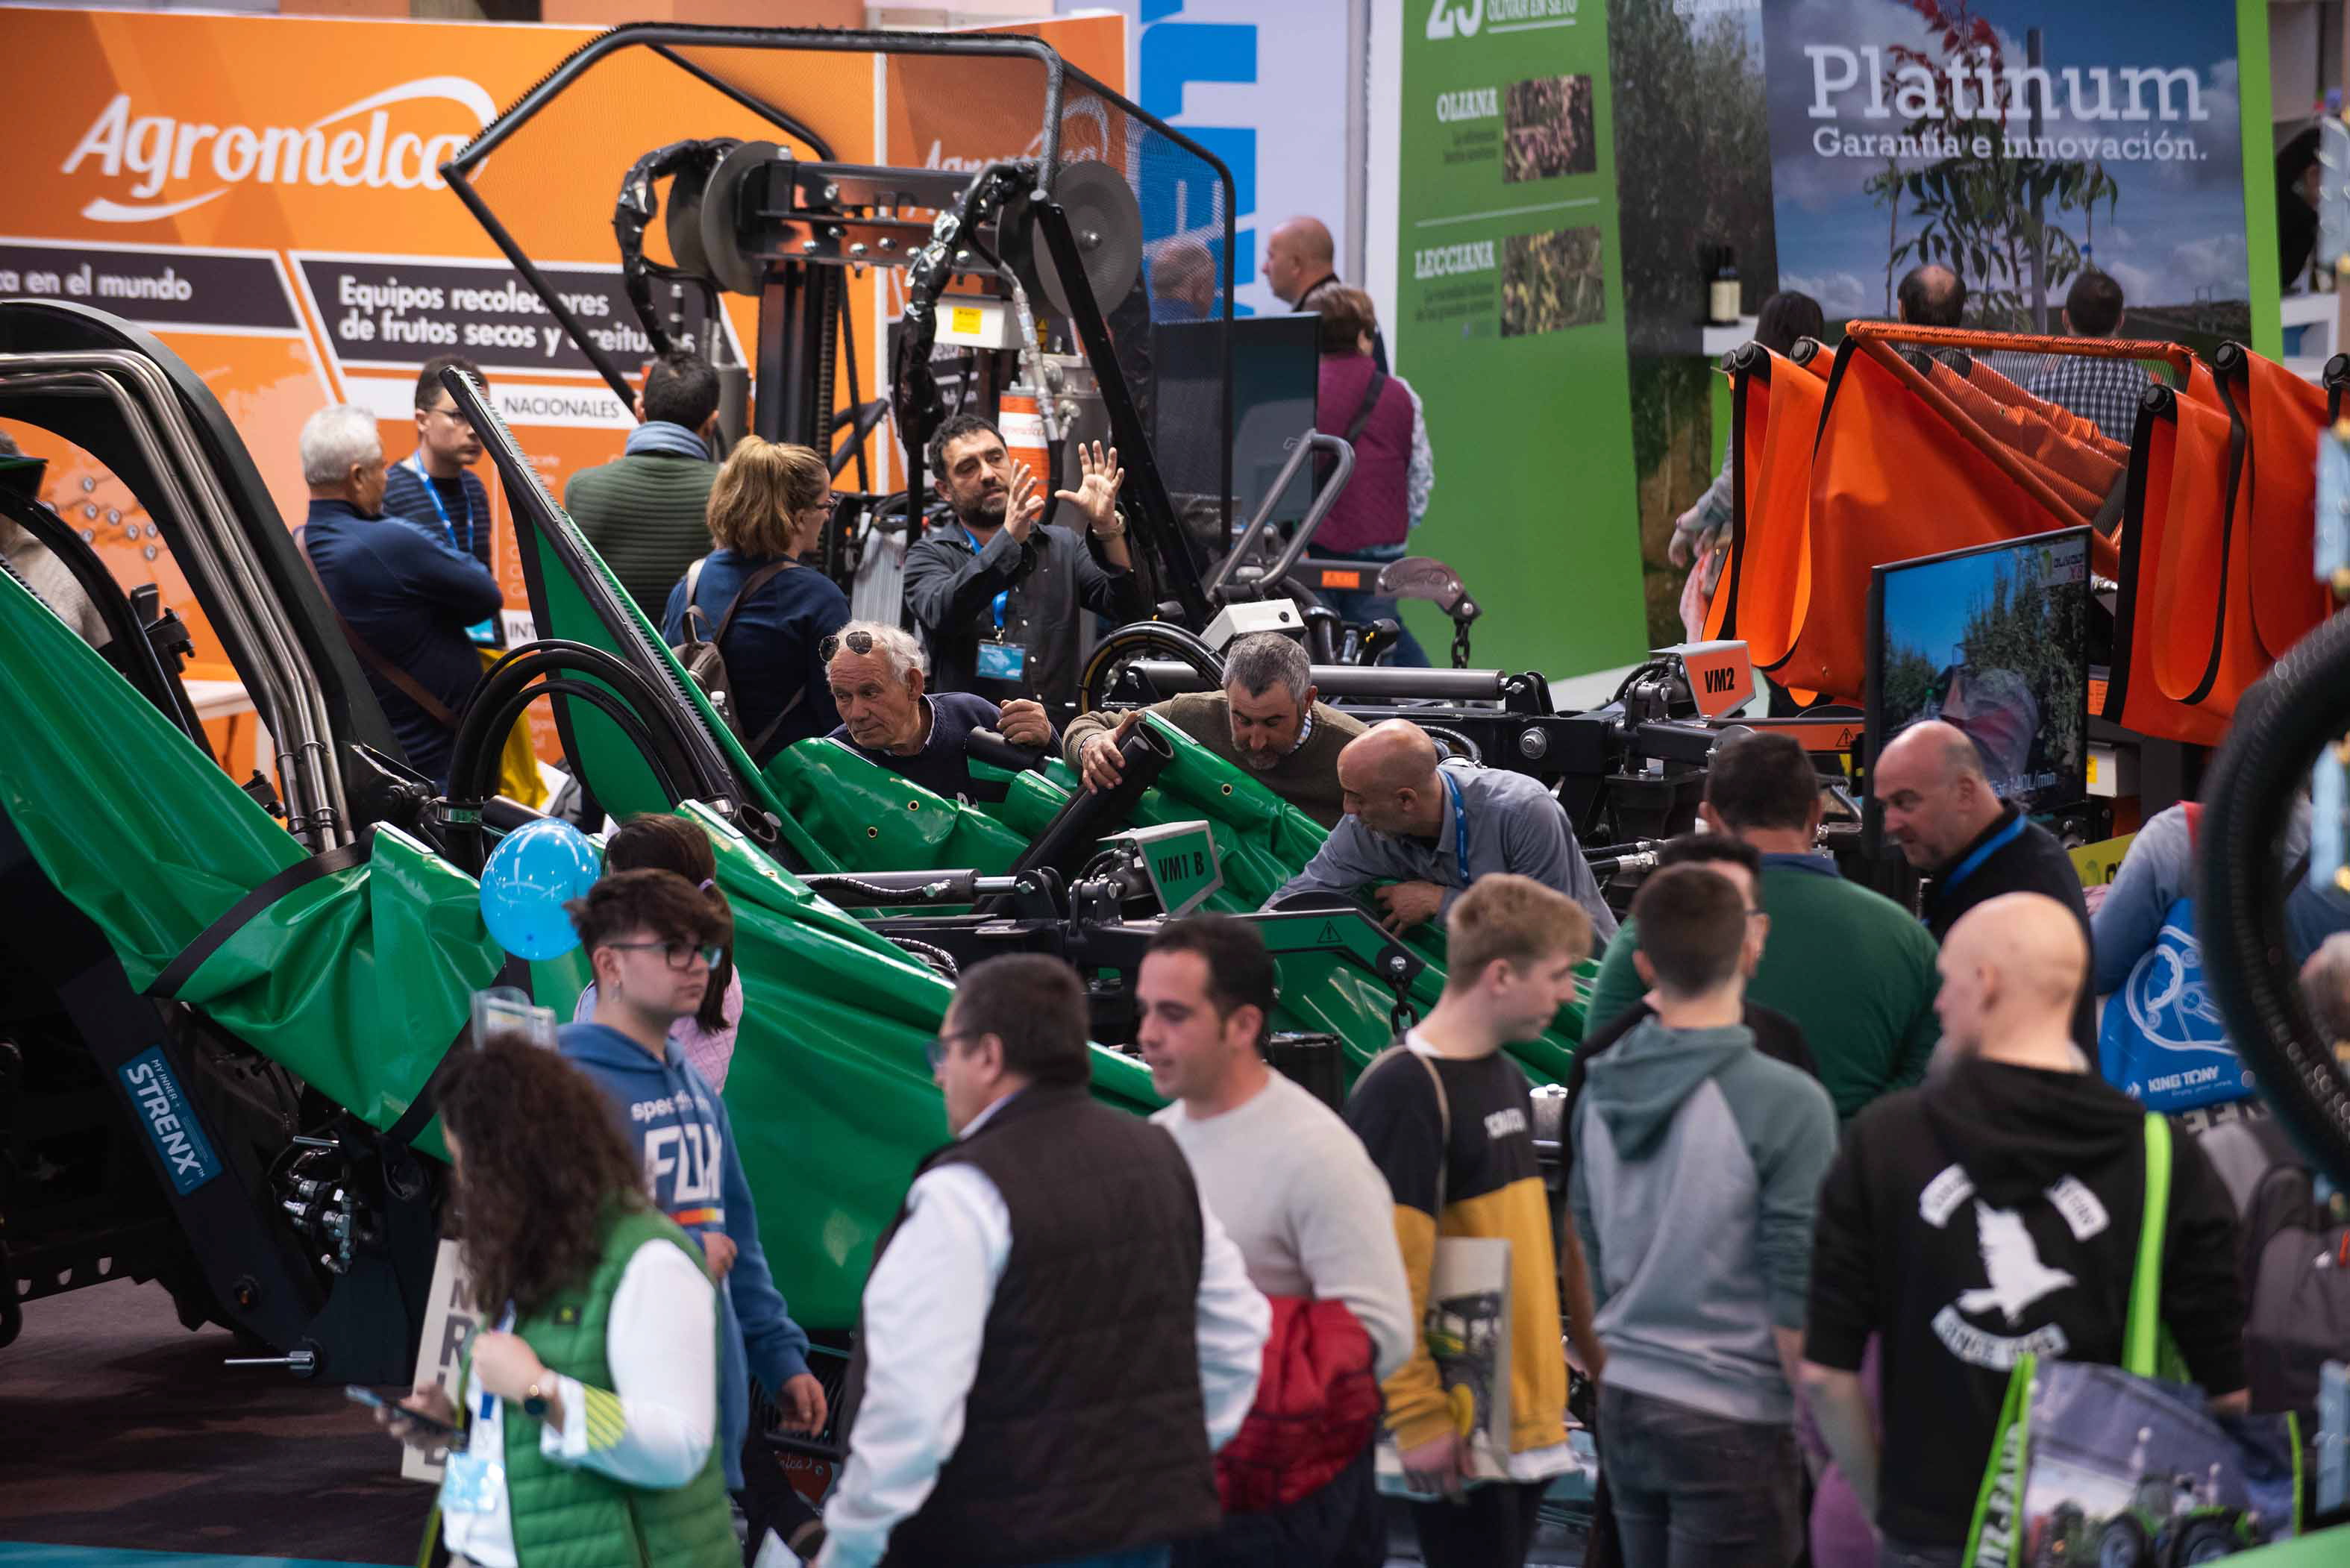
2206	1541
1145	640
2121	1544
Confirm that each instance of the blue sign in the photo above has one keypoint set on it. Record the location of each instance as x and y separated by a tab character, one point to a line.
187	1157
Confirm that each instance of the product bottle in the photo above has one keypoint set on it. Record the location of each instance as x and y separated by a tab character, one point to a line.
1721	289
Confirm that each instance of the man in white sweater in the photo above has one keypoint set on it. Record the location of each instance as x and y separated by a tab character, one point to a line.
1291	1184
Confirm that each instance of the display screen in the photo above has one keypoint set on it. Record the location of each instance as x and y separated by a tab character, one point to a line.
1276	373
1996	641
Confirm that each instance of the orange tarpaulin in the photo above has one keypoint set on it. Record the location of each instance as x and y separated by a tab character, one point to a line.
2283	415
1766	585
2218	570
1903	469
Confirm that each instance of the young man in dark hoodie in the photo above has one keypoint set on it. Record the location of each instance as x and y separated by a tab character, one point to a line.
1697	1163
1992	1211
652	937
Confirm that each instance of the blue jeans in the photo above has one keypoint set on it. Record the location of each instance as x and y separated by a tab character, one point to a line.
1694	1489
1359	609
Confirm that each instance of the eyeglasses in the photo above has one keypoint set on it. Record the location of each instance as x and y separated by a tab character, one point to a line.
681	955
453	414
937	1049
858	642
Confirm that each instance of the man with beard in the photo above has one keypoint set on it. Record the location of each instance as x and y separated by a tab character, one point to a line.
1995	1209
876	675
995	589
1265	719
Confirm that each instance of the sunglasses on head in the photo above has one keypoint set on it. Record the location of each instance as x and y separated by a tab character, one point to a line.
858	642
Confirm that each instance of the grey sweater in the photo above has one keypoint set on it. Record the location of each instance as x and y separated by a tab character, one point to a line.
1292	1187
1697	1171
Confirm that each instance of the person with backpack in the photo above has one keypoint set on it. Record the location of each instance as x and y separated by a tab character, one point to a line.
1395	471
1993	1212
748	619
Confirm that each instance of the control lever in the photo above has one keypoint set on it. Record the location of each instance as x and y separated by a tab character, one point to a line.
1378	638
174	646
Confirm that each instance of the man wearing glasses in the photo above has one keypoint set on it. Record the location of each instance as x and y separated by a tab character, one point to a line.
1057	1334
435	486
650	937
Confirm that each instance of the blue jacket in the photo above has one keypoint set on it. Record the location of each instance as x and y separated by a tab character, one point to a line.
411	597
680	1129
771	649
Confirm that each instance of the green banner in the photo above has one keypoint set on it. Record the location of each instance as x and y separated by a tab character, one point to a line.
1510	326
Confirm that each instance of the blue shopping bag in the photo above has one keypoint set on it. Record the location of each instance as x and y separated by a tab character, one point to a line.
2161	1041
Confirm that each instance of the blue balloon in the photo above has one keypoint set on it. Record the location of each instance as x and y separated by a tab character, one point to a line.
531	875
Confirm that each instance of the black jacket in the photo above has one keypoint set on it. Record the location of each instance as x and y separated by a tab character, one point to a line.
1992	1211
1085	1431
951	592
2031	862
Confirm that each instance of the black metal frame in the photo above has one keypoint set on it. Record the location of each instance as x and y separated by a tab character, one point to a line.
1162	535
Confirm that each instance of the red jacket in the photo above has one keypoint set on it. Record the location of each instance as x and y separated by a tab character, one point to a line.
1316	1405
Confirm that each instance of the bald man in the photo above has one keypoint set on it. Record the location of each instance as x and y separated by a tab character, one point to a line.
1932	296
1971	846
1995	1209
1300	262
1432	831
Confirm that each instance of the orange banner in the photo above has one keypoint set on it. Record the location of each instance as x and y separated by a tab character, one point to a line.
264	195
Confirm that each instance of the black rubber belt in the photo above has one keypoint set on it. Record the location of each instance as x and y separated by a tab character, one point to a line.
420	1110
301	874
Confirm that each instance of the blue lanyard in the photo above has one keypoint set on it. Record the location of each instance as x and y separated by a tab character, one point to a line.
1973	863
1460	827
973	539
433	495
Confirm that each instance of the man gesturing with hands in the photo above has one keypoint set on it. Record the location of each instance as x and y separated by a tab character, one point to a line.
996	590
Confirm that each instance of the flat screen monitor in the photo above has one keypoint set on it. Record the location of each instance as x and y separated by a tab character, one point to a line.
1996	640
1276	372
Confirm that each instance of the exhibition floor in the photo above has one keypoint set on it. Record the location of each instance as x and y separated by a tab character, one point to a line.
124	1443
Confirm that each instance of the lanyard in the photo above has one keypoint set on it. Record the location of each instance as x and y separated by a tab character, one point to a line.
973	539
417	463
1973	863
1460	827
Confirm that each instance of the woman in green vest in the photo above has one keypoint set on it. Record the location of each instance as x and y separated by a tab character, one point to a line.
589	1413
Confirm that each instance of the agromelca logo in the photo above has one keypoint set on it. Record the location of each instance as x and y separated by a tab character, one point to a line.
340	148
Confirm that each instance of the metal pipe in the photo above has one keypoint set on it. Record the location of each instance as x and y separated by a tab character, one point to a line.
237	589
1368	680
1338	447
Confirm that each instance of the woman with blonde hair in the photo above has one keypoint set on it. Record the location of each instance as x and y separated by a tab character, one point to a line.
752	596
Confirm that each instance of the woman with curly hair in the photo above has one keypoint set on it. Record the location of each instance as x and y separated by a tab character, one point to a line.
590	1413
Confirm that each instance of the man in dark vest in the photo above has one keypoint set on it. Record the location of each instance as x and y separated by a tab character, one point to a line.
1057	1334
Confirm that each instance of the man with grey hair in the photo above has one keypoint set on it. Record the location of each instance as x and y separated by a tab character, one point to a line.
1265	719
877	673
2326	984
404	597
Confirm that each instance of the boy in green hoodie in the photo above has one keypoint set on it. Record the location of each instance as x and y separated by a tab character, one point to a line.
1697	1164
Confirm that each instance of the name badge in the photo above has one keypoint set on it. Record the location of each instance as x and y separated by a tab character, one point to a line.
472	1483
1002	661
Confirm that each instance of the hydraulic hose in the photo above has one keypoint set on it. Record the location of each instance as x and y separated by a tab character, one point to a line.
2241	890
465	832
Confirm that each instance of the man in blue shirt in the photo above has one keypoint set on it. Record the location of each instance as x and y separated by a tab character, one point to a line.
876	674
404	598
433	486
649	936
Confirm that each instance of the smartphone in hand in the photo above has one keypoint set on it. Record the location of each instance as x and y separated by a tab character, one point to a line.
357	1395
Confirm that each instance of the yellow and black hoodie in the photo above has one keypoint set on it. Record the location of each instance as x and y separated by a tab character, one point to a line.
1492	1186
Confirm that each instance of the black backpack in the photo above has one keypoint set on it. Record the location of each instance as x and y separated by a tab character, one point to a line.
705	661
2297	1267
